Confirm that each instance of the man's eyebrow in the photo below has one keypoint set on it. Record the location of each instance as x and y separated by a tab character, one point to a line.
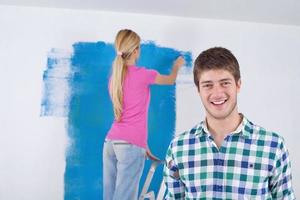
203	82
225	79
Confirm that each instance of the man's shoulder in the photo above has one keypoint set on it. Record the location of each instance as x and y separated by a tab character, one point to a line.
260	133
184	137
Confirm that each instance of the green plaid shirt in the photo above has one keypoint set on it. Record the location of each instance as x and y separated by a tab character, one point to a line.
252	163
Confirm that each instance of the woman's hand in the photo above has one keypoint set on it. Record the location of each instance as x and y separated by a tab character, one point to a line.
151	156
170	79
179	62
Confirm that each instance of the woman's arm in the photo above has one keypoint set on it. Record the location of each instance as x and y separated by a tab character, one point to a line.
170	79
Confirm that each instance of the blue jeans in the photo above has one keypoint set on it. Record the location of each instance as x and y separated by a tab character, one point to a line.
123	165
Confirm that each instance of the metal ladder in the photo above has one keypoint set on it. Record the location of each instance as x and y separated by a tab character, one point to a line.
145	194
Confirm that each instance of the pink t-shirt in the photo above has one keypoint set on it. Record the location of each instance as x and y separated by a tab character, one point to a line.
133	126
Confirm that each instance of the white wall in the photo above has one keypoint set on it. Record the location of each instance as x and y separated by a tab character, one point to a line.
32	149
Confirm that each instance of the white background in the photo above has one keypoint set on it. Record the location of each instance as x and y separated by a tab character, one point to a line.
32	148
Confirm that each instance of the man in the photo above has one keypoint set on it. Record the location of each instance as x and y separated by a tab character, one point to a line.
226	156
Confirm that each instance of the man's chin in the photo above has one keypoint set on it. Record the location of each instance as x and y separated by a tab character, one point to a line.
218	115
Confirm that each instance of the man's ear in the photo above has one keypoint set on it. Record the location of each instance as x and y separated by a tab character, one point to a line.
238	85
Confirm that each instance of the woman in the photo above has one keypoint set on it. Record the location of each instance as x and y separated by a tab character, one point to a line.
125	145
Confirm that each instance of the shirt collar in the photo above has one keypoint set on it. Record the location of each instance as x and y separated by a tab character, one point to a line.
245	128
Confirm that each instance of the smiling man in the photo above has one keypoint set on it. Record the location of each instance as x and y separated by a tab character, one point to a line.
225	156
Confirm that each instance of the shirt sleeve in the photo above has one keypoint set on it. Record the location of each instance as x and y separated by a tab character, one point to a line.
175	187
150	76
281	181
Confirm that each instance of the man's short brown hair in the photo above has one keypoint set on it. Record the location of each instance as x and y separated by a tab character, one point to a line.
214	59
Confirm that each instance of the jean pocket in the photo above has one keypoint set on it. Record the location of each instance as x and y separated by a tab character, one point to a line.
118	143
121	143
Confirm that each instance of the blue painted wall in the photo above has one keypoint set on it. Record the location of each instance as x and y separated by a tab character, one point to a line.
90	113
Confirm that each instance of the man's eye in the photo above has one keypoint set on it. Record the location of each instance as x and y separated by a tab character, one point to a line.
207	85
226	83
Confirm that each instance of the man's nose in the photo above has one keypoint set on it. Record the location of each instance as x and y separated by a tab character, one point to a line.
217	90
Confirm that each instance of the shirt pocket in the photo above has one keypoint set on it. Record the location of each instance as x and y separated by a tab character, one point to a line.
255	179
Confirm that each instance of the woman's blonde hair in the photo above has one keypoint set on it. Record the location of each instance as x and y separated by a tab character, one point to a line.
125	43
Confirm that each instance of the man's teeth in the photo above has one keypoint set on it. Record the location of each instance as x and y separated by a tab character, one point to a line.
218	102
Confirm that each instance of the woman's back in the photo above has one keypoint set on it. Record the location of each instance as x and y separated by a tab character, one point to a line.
136	98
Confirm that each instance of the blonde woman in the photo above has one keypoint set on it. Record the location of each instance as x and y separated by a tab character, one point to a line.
125	145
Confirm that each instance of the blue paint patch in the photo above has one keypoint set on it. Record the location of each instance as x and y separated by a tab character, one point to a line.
90	113
55	101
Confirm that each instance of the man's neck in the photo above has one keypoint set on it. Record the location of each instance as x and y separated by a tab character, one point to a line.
220	128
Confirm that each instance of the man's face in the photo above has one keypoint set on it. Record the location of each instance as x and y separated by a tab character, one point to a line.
218	91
